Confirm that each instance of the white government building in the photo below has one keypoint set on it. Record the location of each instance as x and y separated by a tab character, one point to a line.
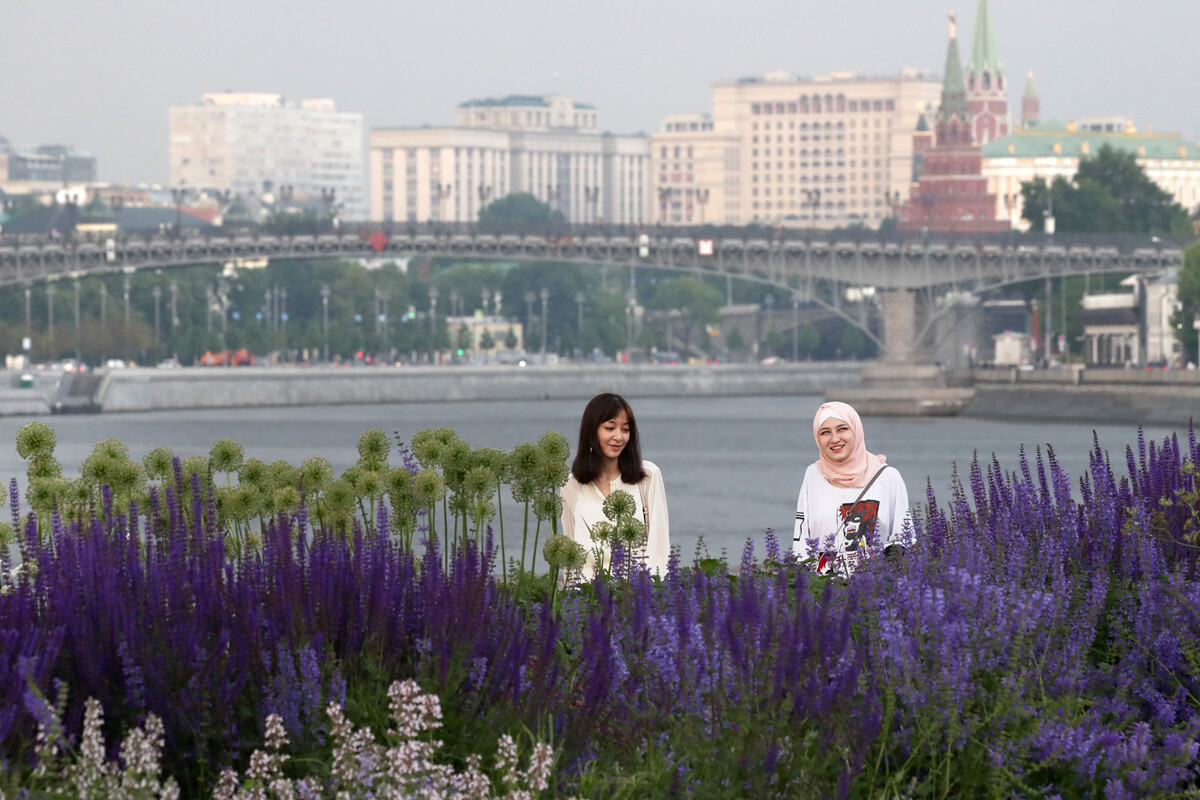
247	143
548	146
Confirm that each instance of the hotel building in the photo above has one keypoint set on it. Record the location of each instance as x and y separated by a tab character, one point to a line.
827	151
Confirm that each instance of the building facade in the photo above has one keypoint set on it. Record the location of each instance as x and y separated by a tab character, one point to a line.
1134	328
829	151
43	169
546	146
1052	150
694	171
252	143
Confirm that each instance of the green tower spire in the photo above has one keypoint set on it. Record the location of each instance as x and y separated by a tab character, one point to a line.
954	90
983	54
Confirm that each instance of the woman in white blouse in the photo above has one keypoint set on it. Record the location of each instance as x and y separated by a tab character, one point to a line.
608	458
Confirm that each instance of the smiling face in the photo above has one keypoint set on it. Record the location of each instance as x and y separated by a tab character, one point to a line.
613	435
835	437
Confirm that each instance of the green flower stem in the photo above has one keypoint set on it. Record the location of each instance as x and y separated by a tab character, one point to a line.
533	556
500	513
525	536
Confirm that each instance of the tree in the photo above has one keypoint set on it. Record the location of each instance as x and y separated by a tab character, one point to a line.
807	339
696	302
486	343
1110	193
510	340
463	340
852	342
1189	299
735	341
519	209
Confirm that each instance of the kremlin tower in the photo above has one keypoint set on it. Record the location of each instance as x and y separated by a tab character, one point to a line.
987	90
951	195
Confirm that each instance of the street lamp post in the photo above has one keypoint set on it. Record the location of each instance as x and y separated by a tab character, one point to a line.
125	289
157	292
50	317
579	298
702	201
592	195
103	319
174	305
433	296
179	194
29	311
325	292
529	298
485	194
795	327
664	194
78	349
545	295
485	296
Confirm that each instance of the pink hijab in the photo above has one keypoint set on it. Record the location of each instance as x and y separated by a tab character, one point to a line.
856	470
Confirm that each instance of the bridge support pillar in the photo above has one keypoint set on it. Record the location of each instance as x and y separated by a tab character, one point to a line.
899	324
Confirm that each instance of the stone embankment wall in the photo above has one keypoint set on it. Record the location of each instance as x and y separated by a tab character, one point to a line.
1121	396
240	387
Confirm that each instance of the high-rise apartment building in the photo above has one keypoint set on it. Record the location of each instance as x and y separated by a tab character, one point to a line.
827	151
548	146
250	142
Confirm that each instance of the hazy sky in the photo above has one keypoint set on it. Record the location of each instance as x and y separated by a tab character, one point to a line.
100	76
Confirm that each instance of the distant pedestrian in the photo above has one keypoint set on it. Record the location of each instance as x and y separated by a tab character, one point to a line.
850	500
607	458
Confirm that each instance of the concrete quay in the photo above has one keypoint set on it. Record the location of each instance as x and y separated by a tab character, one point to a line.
242	387
1073	394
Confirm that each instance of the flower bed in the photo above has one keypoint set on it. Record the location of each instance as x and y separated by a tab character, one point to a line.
1028	644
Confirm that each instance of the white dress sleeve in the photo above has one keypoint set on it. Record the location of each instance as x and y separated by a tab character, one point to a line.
570	496
800	532
658	542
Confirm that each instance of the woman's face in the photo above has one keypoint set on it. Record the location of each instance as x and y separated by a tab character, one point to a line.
835	437
613	435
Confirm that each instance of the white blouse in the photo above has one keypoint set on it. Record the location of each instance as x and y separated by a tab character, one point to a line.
583	506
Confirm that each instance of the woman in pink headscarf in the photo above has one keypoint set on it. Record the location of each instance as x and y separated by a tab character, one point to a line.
851	501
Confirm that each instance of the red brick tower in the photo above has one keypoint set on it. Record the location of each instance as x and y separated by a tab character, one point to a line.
952	195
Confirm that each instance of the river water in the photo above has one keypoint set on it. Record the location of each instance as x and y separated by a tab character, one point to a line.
732	466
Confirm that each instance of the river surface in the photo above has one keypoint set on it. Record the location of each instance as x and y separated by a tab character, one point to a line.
732	466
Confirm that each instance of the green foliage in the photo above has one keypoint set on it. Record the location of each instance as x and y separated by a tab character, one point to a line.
521	209
735	341
695	302
852	342
808	339
1189	299
1110	193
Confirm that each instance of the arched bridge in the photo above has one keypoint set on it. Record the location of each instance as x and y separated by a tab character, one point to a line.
975	264
815	265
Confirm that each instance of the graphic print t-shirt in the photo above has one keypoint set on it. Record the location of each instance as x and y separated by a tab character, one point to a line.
821	507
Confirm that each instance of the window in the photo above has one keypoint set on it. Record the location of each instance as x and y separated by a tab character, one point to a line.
754	108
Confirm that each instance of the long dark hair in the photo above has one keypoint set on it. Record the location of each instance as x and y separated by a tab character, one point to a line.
600	409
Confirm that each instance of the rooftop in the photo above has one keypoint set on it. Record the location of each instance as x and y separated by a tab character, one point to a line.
1046	141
